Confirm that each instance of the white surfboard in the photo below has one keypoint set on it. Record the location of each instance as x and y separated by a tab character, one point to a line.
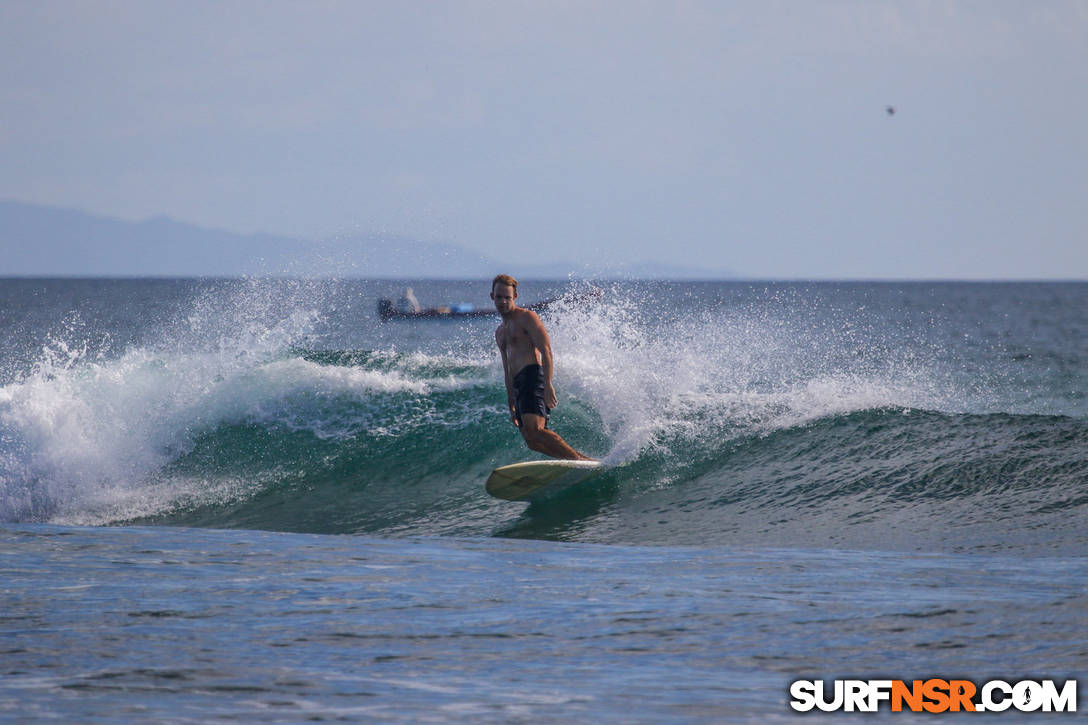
532	480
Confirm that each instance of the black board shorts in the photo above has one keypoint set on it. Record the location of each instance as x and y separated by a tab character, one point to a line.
529	385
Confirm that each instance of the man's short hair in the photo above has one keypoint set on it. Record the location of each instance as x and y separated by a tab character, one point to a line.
504	279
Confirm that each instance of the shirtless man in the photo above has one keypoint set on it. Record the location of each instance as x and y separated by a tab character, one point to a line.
527	362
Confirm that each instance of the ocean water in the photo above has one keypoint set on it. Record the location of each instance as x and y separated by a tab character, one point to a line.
252	500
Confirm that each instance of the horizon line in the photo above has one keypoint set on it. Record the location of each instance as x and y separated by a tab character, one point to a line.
387	278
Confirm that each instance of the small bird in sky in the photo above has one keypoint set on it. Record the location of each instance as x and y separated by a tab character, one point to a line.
890	110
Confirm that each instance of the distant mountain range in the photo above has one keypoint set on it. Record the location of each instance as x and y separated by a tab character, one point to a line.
49	241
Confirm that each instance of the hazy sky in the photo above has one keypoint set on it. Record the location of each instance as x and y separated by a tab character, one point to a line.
744	135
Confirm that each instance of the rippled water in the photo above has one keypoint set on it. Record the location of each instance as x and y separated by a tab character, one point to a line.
196	625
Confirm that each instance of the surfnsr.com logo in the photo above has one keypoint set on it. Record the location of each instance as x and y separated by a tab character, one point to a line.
933	695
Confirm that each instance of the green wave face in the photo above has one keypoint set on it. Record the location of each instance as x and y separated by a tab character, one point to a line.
881	478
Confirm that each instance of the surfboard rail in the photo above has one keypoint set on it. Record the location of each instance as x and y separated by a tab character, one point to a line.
529	480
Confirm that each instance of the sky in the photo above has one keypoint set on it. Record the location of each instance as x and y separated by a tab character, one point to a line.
750	136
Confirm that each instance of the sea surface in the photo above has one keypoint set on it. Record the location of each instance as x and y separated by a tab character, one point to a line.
251	500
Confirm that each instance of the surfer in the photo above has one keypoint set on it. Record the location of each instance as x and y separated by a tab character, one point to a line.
527	364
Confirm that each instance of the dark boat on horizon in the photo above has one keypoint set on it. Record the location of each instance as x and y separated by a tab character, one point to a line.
387	310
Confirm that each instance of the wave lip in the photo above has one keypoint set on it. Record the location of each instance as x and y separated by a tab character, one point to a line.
95	435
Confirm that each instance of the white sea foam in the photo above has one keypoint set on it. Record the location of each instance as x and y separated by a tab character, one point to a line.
84	436
703	377
92	432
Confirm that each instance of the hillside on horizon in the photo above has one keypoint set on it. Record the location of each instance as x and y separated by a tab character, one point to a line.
45	241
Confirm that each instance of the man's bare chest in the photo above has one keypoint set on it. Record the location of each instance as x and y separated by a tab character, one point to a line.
516	337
